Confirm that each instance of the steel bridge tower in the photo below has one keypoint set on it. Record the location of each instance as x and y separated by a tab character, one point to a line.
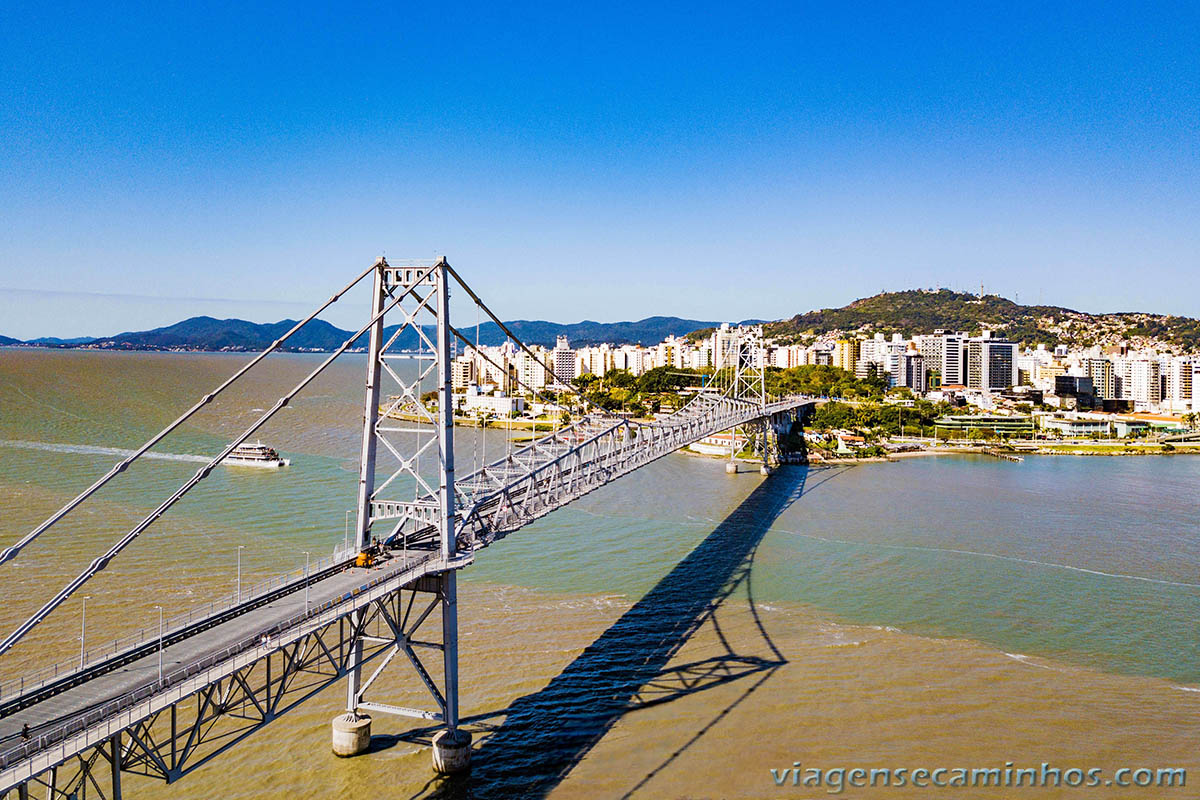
749	382
414	360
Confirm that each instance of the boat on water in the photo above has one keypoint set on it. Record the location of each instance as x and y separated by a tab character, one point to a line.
255	455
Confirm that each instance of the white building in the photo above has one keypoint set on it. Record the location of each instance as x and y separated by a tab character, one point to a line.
498	404
1179	383
564	362
1145	383
952	360
725	343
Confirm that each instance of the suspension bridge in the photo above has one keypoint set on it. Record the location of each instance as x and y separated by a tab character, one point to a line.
386	601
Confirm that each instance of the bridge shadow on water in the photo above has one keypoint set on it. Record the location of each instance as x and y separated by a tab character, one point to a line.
545	734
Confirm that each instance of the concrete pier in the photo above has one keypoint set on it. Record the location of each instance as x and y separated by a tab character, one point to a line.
351	734
731	467
451	751
764	470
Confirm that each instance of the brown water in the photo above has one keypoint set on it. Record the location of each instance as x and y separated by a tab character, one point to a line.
903	615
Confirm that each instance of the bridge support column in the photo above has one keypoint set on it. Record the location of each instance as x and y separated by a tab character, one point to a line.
452	751
451	747
366	470
731	467
351	734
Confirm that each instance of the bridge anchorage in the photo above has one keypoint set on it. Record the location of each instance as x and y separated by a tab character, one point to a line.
376	604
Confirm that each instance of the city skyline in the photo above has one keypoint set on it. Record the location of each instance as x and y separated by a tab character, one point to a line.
601	161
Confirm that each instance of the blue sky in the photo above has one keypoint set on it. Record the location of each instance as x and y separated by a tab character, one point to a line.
605	162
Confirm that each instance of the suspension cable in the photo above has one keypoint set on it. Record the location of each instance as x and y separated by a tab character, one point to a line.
508	332
102	561
11	551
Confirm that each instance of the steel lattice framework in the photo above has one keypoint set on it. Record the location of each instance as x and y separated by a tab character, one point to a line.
552	471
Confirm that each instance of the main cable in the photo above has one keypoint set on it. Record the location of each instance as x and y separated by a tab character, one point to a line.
11	551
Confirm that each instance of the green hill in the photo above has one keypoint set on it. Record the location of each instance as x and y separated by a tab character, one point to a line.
920	311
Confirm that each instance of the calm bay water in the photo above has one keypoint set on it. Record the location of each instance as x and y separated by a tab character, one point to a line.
939	611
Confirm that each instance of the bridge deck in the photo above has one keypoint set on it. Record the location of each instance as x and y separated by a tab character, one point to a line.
48	707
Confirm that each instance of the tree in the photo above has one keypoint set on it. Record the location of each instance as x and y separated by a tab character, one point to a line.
619	379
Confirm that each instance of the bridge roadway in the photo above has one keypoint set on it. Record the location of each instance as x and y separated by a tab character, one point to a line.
50	708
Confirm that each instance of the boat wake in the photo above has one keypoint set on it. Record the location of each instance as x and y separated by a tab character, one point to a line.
89	450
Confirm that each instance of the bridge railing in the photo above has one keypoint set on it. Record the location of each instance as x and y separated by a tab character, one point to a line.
15	687
109	710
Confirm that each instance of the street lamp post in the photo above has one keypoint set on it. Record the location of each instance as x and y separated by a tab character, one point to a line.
241	547
160	642
83	629
306	559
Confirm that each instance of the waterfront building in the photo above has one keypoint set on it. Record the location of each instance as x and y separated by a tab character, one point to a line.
1015	425
477	404
1074	427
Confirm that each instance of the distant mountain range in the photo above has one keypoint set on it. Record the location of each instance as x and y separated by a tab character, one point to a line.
207	333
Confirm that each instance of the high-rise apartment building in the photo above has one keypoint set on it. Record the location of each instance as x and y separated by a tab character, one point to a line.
909	370
952	360
1179	386
991	363
564	363
1100	370
845	354
1145	382
725	344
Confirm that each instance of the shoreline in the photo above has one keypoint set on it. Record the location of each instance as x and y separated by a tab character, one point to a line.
1114	452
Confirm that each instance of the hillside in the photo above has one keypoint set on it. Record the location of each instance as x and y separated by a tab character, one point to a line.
920	311
208	333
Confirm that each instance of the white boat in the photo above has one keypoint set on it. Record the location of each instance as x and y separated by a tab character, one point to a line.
255	455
